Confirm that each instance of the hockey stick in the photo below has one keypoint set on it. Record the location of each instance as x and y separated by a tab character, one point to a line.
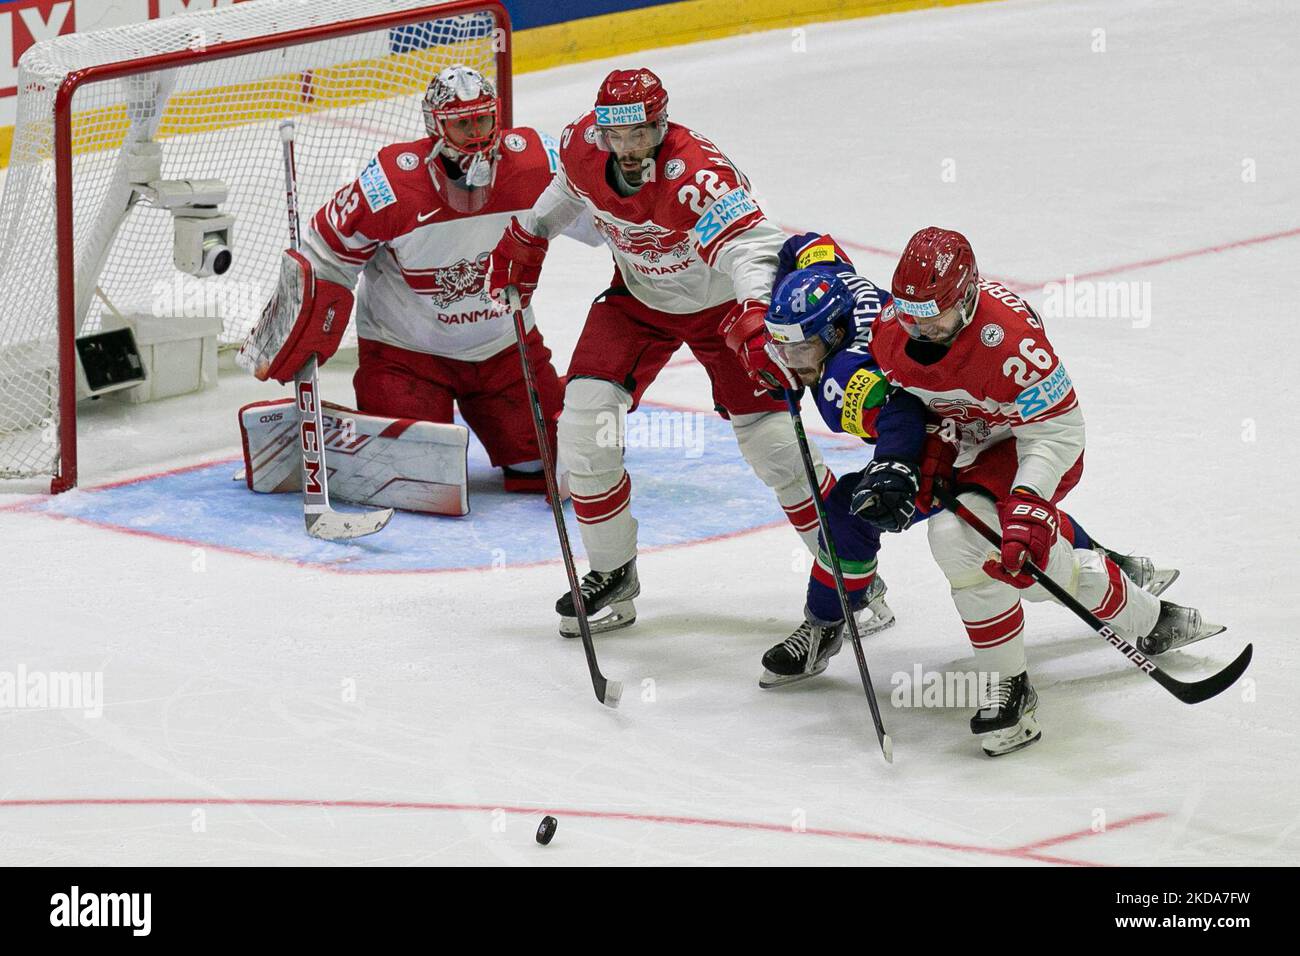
1188	692
322	521
608	692
886	743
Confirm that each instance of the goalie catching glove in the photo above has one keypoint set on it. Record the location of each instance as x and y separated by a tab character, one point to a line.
308	314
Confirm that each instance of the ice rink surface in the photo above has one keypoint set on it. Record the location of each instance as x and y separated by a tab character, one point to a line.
264	711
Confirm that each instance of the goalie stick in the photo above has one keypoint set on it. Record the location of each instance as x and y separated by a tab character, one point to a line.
1189	692
832	558
608	692
322	521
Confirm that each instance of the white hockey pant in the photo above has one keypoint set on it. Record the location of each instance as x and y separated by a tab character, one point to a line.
590	435
991	609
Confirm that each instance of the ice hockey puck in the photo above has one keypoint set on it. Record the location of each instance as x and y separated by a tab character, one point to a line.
546	830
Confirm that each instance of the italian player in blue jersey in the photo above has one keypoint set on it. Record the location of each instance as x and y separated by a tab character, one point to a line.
817	335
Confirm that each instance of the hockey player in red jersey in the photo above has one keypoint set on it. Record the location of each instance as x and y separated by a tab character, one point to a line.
691	248
411	237
1001	389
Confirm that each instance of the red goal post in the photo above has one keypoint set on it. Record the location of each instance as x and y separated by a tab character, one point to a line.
90	266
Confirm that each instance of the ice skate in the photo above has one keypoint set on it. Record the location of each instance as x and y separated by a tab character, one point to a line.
803	654
875	615
1006	720
1143	572
1177	627
787	662
607	596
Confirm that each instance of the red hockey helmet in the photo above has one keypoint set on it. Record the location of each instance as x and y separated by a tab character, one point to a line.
631	110
936	284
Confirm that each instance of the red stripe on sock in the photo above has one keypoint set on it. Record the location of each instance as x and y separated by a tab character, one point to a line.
593	509
851	584
998	629
803	514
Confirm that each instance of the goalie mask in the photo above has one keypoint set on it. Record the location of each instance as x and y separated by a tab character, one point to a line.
461	115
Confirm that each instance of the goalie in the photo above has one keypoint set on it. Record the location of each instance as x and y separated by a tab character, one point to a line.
409	239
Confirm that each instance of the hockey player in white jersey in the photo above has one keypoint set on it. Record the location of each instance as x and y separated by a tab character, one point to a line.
410	238
692	252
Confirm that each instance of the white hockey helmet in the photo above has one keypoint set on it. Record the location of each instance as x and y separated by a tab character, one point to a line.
461	114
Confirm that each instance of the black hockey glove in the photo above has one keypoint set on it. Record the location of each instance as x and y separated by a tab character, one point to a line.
886	495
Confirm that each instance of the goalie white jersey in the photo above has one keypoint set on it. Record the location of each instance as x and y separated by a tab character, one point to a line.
419	266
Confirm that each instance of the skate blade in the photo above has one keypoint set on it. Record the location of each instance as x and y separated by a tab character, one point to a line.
1160	581
880	620
1207	631
618	615
999	743
769	680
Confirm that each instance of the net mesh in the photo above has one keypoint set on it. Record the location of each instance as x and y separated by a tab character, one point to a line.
214	119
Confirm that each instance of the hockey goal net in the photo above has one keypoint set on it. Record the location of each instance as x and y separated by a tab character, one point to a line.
211	89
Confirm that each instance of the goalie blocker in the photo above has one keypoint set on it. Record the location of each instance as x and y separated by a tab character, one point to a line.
384	462
306	316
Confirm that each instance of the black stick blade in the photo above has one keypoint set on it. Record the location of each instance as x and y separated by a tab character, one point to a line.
1196	691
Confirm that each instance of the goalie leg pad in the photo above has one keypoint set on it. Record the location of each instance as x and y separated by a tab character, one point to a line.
383	462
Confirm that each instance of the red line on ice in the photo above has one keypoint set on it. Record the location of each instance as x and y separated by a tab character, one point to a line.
29	506
1080	834
1020	285
1027	851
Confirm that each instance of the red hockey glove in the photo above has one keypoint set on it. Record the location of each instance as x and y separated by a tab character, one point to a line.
517	261
746	335
936	465
1028	531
